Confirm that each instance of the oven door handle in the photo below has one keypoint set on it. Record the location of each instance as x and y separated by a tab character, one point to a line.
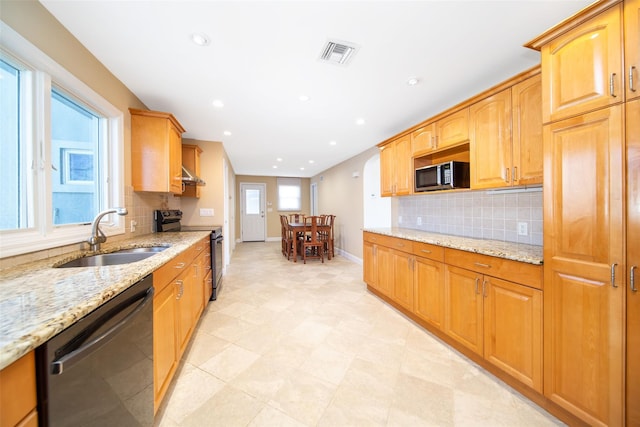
68	360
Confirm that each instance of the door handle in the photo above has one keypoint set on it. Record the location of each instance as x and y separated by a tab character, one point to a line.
477	281
633	279
631	70
613	275
484	288
612	89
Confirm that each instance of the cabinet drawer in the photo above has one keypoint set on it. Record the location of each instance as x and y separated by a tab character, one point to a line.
425	250
515	271
164	275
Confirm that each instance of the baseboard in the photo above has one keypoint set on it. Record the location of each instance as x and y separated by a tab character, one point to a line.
348	256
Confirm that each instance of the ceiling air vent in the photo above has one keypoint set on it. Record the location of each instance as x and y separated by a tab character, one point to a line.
337	52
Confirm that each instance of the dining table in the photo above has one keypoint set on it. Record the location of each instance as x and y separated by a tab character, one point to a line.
298	228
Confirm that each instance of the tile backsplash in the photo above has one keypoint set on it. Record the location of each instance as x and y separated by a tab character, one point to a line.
481	214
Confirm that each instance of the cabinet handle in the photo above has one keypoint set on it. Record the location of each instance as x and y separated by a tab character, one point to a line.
479	264
477	281
506	174
633	279
631	70
426	251
484	287
435	138
180	265
612	90
180	284
515	173
613	275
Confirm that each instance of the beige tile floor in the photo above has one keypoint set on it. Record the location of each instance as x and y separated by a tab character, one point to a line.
307	345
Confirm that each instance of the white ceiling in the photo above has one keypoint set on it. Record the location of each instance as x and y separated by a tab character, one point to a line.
264	54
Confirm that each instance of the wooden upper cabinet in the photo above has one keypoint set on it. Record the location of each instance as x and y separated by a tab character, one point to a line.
453	129
191	160
632	48
423	140
396	172
526	127
490	146
582	68
156	152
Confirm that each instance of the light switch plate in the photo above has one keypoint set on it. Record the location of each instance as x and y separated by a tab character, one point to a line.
206	212
419	221
523	229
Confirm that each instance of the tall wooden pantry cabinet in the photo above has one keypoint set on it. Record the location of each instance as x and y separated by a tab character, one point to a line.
590	171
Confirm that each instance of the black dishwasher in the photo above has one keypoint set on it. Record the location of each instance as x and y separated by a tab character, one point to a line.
99	371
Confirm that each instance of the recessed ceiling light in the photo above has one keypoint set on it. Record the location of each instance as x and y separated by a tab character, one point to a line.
227	133
360	122
200	39
217	103
311	161
412	81
303	98
275	167
301	169
279	159
332	143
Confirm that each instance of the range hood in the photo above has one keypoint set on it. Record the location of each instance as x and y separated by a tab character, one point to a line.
190	178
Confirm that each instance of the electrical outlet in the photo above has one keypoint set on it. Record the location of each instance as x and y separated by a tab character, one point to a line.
206	212
133	225
523	229
419	221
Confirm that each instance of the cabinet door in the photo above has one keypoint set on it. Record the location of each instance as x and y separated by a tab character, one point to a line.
513	330
423	140
453	129
384	273
175	160
428	285
490	146
632	47
387	170
164	341
463	307
526	120
583	246
184	285
369	264
403	279
582	69
633	261
18	392
403	169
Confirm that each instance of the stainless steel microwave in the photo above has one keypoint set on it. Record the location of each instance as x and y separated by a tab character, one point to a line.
442	176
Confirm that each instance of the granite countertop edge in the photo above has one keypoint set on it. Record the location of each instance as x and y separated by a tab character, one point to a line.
38	301
530	254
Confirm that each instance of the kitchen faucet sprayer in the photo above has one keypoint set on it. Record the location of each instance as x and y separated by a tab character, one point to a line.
97	236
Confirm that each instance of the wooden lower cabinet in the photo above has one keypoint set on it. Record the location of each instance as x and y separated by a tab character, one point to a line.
177	306
18	393
513	330
463	307
497	319
428	294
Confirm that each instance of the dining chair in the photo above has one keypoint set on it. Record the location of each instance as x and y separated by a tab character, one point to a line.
296	217
310	245
287	237
327	235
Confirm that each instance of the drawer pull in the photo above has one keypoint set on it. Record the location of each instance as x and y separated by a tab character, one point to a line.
426	251
633	279
180	265
400	245
613	275
479	264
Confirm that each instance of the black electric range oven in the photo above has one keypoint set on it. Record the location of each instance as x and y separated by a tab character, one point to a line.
168	220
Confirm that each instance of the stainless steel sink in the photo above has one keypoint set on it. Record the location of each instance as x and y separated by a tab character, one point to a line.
123	256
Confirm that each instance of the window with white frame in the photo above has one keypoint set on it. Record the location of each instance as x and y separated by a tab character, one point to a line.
61	158
289	194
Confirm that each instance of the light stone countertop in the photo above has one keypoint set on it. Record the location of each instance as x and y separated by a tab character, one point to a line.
38	301
530	254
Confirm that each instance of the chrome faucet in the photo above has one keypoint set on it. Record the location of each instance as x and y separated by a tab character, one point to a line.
97	236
